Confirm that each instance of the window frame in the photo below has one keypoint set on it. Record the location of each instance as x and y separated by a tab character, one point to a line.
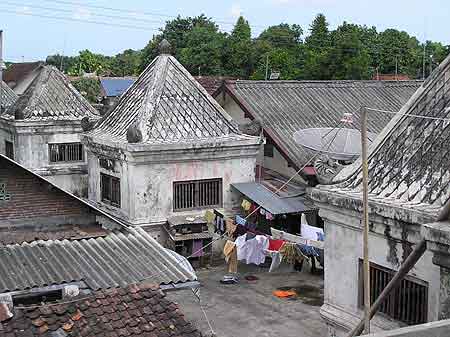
197	203
66	150
397	301
114	195
9	149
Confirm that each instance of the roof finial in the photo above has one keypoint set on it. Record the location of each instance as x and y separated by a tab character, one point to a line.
164	47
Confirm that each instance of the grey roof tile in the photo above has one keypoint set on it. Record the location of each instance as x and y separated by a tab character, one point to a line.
285	107
167	105
50	97
409	163
116	260
7	96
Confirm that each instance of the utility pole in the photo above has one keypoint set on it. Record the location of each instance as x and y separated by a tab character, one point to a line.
267	66
431	64
365	220
1	71
423	61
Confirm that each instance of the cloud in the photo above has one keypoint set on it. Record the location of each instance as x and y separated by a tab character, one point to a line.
24	10
302	2
236	10
82	13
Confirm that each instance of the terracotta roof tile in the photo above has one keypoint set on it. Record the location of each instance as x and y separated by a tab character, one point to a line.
160	320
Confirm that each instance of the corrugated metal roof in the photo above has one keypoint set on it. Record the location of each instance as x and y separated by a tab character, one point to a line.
271	202
50	97
409	163
7	96
116	86
167	105
119	259
285	107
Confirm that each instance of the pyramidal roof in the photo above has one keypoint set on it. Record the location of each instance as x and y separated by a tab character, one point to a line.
50	97
409	162
165	105
7	96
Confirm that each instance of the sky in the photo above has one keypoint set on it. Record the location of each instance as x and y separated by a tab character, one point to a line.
31	31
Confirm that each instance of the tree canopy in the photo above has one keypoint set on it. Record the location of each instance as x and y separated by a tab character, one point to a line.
348	52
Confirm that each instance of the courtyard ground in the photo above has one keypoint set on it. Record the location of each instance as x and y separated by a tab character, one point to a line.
249	309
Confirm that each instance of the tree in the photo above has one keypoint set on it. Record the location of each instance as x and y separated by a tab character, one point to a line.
63	63
88	62
88	87
317	50
237	57
126	63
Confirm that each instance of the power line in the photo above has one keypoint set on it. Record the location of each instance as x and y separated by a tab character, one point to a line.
413	115
77	20
73	12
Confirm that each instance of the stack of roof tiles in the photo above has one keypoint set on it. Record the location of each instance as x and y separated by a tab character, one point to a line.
166	104
409	164
284	107
50	96
134	311
7	96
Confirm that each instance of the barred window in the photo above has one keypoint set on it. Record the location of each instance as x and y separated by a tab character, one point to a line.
110	189
197	194
407	303
9	149
65	152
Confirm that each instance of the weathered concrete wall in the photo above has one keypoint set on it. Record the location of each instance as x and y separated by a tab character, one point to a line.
389	245
31	146
276	163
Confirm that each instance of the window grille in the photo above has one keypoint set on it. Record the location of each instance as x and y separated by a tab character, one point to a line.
9	149
4	195
407	303
66	152
110	189
197	194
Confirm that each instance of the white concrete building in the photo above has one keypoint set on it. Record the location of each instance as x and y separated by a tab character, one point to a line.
409	176
167	148
41	130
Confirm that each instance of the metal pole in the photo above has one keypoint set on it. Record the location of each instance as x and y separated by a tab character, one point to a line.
406	266
267	66
423	61
1	71
365	220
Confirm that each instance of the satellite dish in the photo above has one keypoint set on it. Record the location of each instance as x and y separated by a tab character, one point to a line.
337	143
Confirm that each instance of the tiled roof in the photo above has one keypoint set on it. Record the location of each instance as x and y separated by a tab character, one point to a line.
167	105
211	83
134	311
116	260
409	163
7	96
50	97
285	107
115	86
17	71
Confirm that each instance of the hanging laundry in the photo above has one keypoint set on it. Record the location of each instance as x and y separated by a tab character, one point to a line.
230	252
219	225
240	230
250	226
252	251
269	216
246	204
320	236
307	250
209	216
275	245
240	220
276	259
249	236
290	254
230	227
307	231
197	248
262	211
252	208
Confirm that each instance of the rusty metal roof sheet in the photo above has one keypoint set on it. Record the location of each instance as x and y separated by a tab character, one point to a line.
167	105
284	107
50	97
116	260
7	96
409	163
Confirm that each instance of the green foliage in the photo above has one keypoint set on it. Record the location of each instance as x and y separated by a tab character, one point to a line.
348	52
89	87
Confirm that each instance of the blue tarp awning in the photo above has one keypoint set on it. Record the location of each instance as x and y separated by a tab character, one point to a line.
271	202
114	87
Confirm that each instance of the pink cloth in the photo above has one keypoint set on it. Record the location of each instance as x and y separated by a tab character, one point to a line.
197	248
